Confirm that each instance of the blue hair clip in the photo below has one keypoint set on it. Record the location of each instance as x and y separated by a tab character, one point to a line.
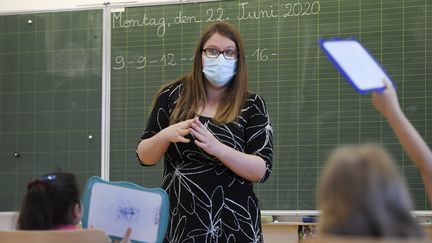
48	178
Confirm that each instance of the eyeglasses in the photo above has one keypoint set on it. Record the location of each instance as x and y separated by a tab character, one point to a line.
214	53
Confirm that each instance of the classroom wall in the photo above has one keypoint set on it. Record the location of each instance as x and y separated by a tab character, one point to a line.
7	6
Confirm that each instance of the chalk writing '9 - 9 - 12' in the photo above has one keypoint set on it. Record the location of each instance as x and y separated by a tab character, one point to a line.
142	62
245	12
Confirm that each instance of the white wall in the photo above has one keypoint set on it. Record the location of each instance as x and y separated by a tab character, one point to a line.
20	6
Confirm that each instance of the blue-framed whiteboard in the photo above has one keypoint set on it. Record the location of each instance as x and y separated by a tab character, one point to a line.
356	64
115	206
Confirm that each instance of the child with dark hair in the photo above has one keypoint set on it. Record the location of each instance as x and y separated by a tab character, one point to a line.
52	202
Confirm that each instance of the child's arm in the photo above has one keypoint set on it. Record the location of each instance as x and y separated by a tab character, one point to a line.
414	145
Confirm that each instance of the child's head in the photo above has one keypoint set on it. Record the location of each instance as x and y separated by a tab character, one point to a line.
50	201
362	193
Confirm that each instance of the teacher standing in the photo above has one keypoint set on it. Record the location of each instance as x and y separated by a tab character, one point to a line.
216	139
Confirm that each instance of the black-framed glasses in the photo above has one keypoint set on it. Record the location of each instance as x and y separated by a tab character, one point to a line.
214	53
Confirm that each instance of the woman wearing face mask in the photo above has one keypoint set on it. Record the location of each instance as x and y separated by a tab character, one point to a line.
216	139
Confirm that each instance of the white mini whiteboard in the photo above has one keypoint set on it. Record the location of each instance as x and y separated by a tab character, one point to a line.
115	206
355	63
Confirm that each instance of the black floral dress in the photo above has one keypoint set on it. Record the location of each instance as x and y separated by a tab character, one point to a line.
208	202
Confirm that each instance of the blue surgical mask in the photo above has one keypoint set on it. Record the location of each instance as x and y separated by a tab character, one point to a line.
219	71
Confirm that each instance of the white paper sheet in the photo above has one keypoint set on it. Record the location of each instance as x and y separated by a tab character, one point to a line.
114	208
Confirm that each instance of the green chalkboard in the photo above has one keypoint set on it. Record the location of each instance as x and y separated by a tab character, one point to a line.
50	98
312	108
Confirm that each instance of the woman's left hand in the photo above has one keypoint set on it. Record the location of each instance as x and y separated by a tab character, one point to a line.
205	139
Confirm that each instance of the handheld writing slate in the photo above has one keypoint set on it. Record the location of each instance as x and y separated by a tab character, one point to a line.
115	206
356	64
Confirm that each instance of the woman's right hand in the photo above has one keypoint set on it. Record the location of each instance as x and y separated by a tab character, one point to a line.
151	150
177	132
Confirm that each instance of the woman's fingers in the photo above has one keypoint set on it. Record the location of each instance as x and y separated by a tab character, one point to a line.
199	144
187	124
199	130
183	132
180	136
205	139
196	134
199	124
178	131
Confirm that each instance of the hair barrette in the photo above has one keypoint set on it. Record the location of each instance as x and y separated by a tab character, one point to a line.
48	178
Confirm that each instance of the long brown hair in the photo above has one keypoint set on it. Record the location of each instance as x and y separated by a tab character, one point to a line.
361	193
194	90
